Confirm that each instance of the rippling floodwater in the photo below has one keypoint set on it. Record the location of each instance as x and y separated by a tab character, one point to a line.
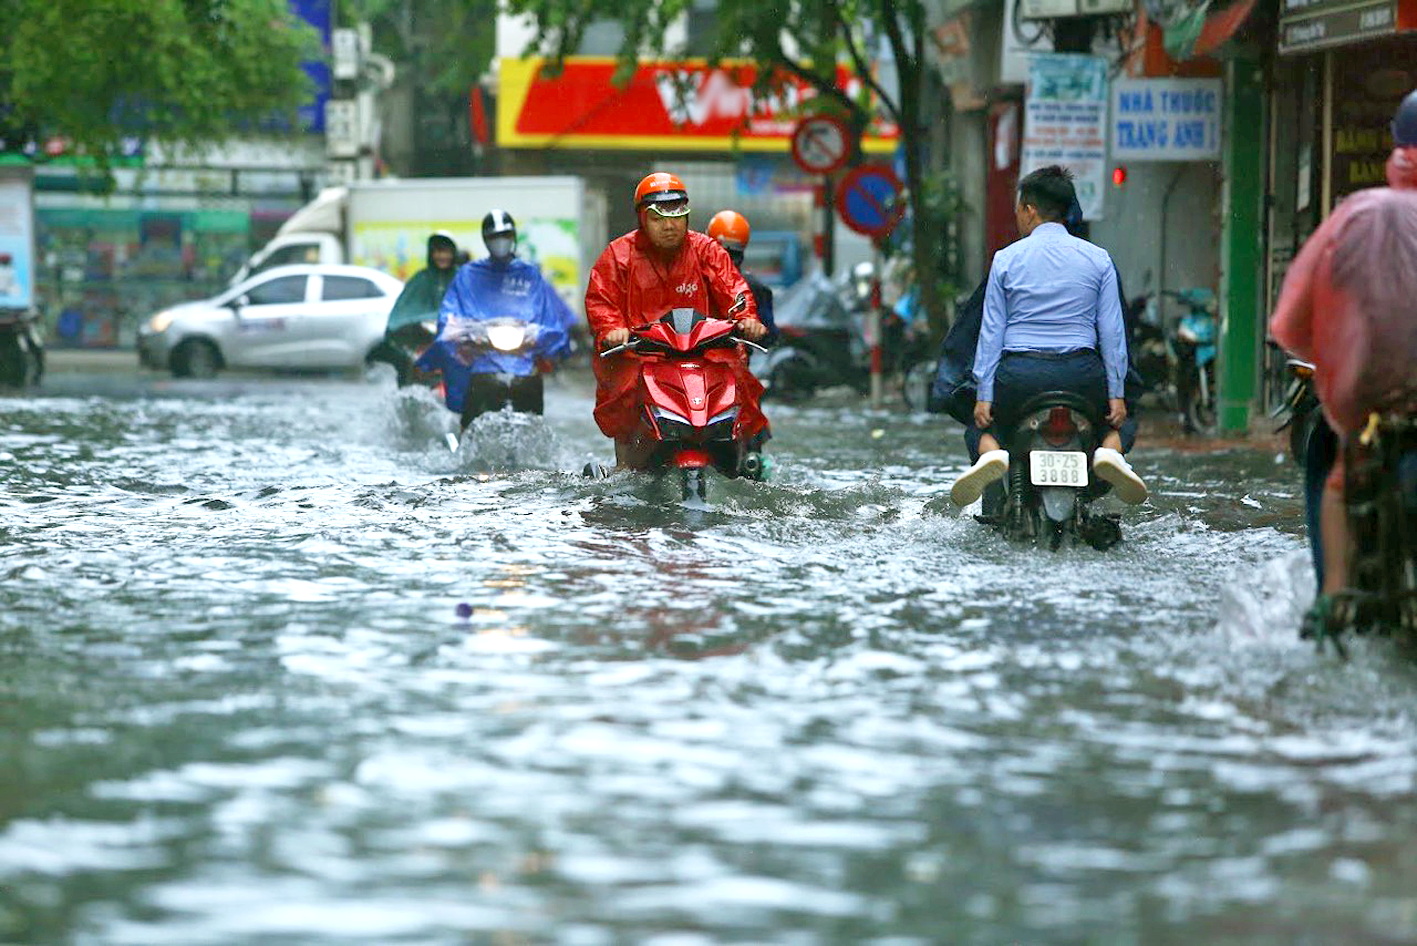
238	703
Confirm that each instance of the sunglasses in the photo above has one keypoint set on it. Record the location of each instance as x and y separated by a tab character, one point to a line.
671	208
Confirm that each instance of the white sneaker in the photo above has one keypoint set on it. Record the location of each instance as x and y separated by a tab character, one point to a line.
989	467
1114	468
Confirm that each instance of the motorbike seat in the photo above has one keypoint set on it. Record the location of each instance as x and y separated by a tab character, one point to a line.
1041	402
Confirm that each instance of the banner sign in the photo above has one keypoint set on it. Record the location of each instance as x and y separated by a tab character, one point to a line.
1166	119
666	106
1065	122
16	241
1322	25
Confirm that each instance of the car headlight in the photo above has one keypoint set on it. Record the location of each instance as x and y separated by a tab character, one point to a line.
506	337
160	322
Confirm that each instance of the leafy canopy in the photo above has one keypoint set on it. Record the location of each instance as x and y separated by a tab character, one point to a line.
175	71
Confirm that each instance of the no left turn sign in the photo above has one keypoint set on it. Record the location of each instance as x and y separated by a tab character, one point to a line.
821	144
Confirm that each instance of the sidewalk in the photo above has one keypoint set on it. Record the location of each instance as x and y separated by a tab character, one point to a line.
90	361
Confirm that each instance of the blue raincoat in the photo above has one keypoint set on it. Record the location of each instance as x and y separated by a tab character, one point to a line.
484	290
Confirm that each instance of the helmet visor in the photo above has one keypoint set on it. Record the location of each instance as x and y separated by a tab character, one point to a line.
670	204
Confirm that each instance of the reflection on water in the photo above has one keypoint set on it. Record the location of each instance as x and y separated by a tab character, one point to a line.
281	667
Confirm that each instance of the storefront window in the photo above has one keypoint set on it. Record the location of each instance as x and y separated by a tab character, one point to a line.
1367	87
103	272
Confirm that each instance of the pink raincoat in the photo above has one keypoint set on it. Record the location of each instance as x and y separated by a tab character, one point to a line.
1349	303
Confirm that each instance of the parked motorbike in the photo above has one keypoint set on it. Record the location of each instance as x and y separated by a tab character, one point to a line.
522	391
691	405
820	324
1048	491
1193	344
1176	357
21	349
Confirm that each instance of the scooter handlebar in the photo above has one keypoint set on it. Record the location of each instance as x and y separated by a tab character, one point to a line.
631	345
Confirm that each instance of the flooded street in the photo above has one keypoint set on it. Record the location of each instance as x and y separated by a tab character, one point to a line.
276	667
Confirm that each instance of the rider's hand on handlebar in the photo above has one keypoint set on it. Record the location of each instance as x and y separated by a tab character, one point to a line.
1116	411
751	329
616	336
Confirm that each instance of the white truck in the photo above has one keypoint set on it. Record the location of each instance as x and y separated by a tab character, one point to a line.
386	223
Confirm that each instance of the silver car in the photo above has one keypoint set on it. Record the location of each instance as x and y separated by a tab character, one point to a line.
308	316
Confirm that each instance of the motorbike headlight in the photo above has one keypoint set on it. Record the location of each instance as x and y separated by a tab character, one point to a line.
160	322
430	327
506	337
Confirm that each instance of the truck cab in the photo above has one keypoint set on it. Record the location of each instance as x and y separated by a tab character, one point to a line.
291	249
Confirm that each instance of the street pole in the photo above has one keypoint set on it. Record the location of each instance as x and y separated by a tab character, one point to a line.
873	329
828	225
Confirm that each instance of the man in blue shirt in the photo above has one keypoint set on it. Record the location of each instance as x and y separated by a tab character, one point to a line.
1052	321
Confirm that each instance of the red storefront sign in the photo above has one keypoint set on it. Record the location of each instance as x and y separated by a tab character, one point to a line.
583	108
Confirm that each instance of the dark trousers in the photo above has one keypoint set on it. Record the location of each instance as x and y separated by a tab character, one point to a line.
1320	454
1024	375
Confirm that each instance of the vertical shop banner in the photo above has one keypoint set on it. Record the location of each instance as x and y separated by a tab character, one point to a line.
16	243
1166	119
1065	122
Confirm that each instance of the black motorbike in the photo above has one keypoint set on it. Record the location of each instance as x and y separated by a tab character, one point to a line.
401	348
1299	409
21	349
1049	489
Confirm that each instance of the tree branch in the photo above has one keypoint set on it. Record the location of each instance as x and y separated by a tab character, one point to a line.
858	62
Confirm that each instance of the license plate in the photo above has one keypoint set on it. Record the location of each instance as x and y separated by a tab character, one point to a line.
1057	468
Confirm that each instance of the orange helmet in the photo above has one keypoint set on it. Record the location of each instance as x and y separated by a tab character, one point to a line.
663	189
730	228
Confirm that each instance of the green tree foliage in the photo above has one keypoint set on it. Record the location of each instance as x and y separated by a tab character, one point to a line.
807	38
446	45
175	71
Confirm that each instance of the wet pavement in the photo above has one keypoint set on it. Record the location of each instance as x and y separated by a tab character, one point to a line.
277	667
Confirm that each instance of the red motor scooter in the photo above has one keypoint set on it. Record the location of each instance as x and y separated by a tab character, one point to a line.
691	405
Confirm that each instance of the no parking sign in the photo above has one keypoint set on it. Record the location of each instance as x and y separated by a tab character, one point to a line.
869	200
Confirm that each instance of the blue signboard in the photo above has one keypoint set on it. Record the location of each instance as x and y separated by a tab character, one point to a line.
320	15
1166	119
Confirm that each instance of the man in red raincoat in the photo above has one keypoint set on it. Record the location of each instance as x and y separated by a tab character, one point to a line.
642	275
1347	307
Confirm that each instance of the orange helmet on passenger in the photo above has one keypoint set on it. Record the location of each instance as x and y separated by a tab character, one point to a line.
731	229
663	193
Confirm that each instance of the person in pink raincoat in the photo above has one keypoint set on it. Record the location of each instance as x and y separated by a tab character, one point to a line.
1349	306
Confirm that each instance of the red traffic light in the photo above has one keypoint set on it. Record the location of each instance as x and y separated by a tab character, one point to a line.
1119	176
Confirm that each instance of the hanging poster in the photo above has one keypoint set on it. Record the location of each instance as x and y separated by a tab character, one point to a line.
16	243
1065	122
